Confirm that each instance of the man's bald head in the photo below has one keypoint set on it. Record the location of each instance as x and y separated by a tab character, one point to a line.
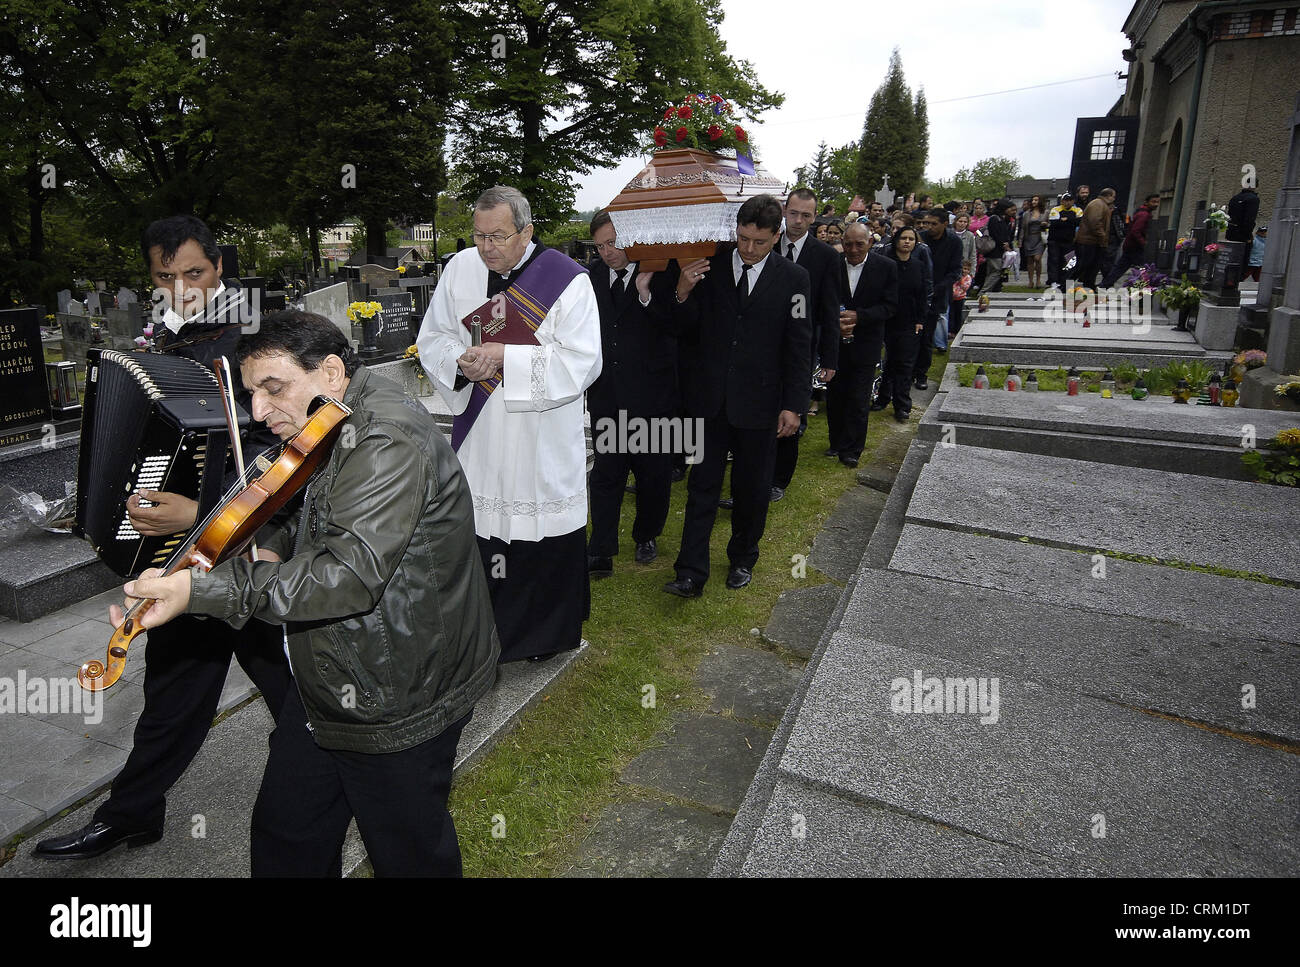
856	242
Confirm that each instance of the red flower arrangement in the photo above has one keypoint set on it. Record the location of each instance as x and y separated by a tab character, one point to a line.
704	122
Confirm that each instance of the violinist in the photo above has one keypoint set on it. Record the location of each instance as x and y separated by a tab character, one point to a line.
187	662
390	634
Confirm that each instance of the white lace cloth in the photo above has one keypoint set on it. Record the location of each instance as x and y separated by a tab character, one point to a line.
708	222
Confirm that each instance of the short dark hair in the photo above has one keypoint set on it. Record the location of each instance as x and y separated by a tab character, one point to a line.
600	221
1154	194
171	233
305	336
807	194
761	211
939	213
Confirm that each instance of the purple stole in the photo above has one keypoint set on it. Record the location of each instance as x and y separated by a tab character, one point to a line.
513	317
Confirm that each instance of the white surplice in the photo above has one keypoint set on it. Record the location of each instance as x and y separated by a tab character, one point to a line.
525	459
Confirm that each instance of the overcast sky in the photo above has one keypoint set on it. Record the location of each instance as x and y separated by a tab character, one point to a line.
828	56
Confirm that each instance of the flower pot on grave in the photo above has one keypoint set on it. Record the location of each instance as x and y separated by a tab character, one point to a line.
682	204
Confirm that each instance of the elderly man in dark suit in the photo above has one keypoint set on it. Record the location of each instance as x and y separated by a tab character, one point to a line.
746	361
868	286
638	380
820	260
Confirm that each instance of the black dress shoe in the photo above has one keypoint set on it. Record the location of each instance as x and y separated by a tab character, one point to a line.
726	503
849	462
600	567
647	551
777	494
830	452
738	577
879	404
920	383
685	588
92	840
901	417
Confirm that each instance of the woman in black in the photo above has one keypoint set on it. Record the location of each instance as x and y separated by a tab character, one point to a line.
902	332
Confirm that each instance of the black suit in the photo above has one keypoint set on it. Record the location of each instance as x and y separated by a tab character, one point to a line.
186	661
742	364
821	262
638	378
848	398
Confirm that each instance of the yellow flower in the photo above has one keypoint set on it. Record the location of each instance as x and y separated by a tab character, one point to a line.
1289	438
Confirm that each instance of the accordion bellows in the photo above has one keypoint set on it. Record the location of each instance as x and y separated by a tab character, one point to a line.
151	422
682	204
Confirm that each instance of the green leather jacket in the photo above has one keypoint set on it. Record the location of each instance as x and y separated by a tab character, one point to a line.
381	586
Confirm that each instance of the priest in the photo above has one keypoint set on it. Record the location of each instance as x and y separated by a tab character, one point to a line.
518	405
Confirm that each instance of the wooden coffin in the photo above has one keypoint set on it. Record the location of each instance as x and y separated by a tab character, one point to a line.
682	204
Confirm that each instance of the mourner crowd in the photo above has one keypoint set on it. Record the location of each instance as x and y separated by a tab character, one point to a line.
376	609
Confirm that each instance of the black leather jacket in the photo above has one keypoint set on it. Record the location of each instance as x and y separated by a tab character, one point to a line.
391	634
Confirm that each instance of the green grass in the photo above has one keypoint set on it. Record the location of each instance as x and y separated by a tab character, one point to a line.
559	767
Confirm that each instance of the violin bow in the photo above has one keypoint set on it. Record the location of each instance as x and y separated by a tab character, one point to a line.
236	445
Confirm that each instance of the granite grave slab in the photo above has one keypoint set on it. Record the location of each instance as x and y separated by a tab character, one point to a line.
1049	771
1077	503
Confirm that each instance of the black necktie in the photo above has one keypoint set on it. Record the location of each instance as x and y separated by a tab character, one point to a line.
789	253
616	290
742	287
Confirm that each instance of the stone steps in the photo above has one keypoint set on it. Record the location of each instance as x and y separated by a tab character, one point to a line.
217	792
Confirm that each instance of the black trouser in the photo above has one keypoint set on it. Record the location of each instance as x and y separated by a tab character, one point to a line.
901	346
654	481
848	398
1089	261
925	348
1126	260
754	454
787	455
954	316
541	593
310	794
185	666
1056	255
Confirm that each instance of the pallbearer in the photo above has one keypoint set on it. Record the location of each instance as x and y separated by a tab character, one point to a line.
519	417
639	381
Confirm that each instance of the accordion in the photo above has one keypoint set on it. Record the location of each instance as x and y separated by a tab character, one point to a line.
151	421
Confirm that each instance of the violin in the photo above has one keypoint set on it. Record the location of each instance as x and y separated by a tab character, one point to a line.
263	488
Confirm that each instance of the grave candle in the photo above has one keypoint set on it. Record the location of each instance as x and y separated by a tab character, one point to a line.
981	378
1107	386
1087	323
1072	382
1140	389
1182	392
1011	317
1230	392
1215	390
1013	379
1031	383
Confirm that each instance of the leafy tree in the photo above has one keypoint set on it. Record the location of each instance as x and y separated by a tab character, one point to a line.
895	136
987	178
548	90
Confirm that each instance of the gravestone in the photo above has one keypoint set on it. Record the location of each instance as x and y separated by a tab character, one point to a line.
24	398
75	308
421	287
92	304
885	196
64	299
393	332
378	276
126	298
332	303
